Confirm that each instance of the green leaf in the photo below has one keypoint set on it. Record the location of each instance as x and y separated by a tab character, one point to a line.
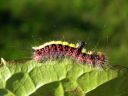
61	78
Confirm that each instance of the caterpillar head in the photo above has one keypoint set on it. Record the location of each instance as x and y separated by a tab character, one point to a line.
101	58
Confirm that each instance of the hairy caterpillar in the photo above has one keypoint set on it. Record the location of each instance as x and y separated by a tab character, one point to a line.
59	49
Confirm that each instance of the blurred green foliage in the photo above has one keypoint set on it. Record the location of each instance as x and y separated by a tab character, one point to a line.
101	23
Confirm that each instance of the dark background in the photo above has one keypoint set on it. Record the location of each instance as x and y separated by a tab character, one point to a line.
103	24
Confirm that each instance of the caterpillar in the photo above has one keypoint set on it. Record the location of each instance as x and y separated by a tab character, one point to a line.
59	49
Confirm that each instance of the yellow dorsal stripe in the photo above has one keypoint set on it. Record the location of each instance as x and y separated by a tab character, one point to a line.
63	43
54	42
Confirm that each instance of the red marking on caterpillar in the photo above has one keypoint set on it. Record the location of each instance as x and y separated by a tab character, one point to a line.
58	49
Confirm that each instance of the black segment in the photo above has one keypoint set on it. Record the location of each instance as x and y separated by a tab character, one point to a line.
81	45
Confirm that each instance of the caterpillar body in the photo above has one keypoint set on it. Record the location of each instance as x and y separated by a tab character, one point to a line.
59	49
